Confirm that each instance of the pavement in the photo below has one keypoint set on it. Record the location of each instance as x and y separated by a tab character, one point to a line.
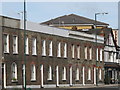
98	86
86	87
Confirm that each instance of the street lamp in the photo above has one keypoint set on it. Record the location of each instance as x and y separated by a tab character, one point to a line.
95	24
96	17
20	14
24	76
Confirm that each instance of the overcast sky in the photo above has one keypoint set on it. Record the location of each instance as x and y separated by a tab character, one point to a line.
43	11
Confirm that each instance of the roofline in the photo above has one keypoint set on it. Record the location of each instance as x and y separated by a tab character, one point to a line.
75	24
100	39
45	22
9	17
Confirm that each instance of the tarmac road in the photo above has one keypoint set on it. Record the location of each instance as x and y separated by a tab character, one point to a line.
76	88
99	88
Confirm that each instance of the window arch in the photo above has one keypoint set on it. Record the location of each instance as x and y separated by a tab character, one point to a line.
14	71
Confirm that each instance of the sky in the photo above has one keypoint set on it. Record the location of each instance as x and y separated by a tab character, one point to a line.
43	11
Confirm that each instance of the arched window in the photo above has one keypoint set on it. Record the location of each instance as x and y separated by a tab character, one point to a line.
64	73
89	74
73	51
34	46
86	52
14	71
43	47
33	72
100	74
59	50
97	52
50	48
77	74
90	52
65	50
101	54
50	73
78	52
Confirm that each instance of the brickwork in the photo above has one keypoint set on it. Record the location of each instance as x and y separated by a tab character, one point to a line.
49	60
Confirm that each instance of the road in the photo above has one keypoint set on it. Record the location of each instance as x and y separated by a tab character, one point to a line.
98	88
75	88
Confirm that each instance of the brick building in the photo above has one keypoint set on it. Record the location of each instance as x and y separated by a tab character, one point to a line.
54	57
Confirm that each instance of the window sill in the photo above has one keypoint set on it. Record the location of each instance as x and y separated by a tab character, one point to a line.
33	80
15	53
65	57
86	59
6	52
27	54
63	79
44	55
58	56
50	56
34	54
76	80
14	81
89	79
49	79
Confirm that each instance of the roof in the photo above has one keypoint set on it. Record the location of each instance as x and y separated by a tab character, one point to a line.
45	29
104	32
72	19
9	17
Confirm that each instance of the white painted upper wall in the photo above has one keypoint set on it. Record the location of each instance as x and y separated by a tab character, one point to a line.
110	57
36	27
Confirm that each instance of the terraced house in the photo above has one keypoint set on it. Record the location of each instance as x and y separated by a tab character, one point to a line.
53	57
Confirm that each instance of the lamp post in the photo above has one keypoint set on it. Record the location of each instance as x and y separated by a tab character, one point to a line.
95	24
24	76
20	14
